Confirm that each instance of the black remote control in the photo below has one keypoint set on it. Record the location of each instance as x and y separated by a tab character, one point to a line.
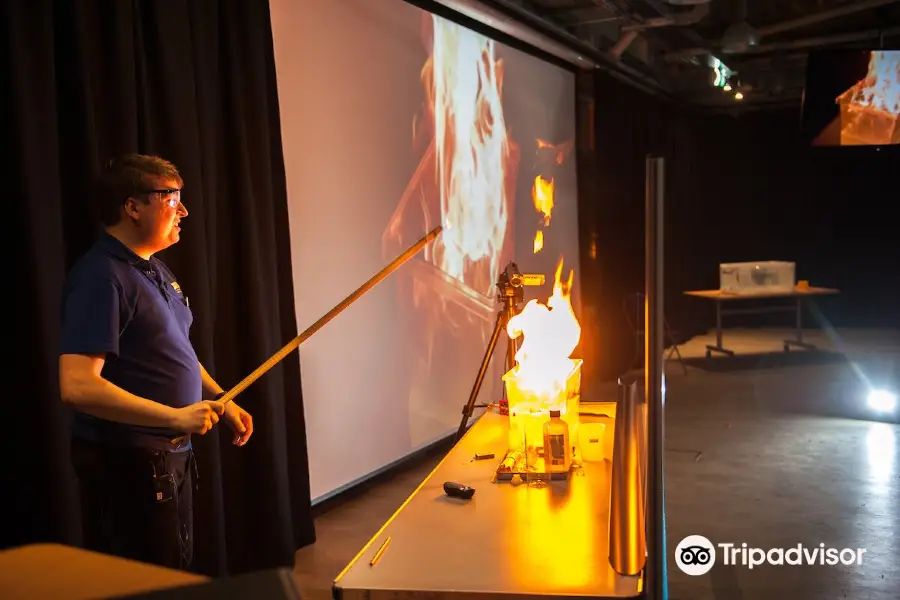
458	490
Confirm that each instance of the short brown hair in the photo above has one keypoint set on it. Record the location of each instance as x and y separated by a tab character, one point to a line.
127	176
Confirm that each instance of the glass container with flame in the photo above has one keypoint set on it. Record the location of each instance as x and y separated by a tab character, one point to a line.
545	378
870	110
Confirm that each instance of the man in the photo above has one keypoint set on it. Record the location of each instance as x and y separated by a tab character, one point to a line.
129	371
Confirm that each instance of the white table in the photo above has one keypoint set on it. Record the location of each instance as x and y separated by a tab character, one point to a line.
798	295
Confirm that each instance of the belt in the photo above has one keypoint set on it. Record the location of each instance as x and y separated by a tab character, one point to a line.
180	442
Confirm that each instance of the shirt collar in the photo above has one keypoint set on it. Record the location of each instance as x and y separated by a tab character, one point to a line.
113	246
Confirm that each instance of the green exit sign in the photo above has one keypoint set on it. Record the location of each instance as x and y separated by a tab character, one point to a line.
721	73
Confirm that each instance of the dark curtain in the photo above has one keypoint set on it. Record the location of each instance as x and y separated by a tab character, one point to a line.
628	124
738	189
193	81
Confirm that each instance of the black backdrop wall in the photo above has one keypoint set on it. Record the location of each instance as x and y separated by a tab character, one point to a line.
193	81
737	189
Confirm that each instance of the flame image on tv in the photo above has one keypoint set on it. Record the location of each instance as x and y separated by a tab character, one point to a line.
542	191
870	109
466	181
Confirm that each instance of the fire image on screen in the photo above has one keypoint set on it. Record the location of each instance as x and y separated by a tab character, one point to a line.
866	109
466	181
870	110
455	129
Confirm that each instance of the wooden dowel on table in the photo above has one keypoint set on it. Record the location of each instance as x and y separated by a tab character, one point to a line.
380	552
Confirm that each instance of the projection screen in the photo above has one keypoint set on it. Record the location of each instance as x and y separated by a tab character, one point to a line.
395	120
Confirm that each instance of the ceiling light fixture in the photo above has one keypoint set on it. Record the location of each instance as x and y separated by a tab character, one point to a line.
739	38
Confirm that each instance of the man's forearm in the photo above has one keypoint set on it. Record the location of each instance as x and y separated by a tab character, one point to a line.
210	388
98	397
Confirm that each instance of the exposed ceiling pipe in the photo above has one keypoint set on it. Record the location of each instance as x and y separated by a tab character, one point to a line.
621	9
496	20
679	19
600	20
687	32
790	25
613	10
565	9
819	17
825	40
636	77
623	42
805	43
771	61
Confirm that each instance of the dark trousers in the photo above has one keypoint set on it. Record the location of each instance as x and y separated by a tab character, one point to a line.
137	503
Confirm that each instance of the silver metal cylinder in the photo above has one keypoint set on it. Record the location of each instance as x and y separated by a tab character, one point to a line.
627	541
654	349
641	432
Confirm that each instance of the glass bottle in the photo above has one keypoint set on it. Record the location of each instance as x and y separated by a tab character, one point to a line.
557	448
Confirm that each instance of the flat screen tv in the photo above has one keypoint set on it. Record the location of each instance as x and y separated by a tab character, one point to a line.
852	98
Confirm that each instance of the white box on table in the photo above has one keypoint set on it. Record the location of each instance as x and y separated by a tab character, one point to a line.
760	277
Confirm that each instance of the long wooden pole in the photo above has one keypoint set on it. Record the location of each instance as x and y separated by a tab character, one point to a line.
290	346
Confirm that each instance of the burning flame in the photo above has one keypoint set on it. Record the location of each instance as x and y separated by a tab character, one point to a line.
561	150
880	89
542	194
538	241
551	332
542	191
463	80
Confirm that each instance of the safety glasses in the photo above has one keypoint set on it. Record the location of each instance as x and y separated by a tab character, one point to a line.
171	196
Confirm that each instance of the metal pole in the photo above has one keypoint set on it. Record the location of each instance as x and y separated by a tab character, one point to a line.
627	517
654	347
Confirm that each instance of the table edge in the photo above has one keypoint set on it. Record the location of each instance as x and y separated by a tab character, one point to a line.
402	594
719	295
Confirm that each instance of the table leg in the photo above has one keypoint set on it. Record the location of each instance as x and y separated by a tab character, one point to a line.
718	347
798	341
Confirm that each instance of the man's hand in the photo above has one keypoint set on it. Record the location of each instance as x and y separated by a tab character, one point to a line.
198	418
240	421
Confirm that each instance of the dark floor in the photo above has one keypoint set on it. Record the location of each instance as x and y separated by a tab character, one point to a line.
769	449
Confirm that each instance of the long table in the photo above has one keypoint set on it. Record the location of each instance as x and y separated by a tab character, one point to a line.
511	541
798	295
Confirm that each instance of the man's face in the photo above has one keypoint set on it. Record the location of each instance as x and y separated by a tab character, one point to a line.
159	219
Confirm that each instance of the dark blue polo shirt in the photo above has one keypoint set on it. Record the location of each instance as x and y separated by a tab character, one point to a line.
134	311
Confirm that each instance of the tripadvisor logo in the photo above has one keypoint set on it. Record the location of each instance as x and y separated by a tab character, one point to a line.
696	555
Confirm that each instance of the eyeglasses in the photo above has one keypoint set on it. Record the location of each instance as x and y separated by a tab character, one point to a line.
172	196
